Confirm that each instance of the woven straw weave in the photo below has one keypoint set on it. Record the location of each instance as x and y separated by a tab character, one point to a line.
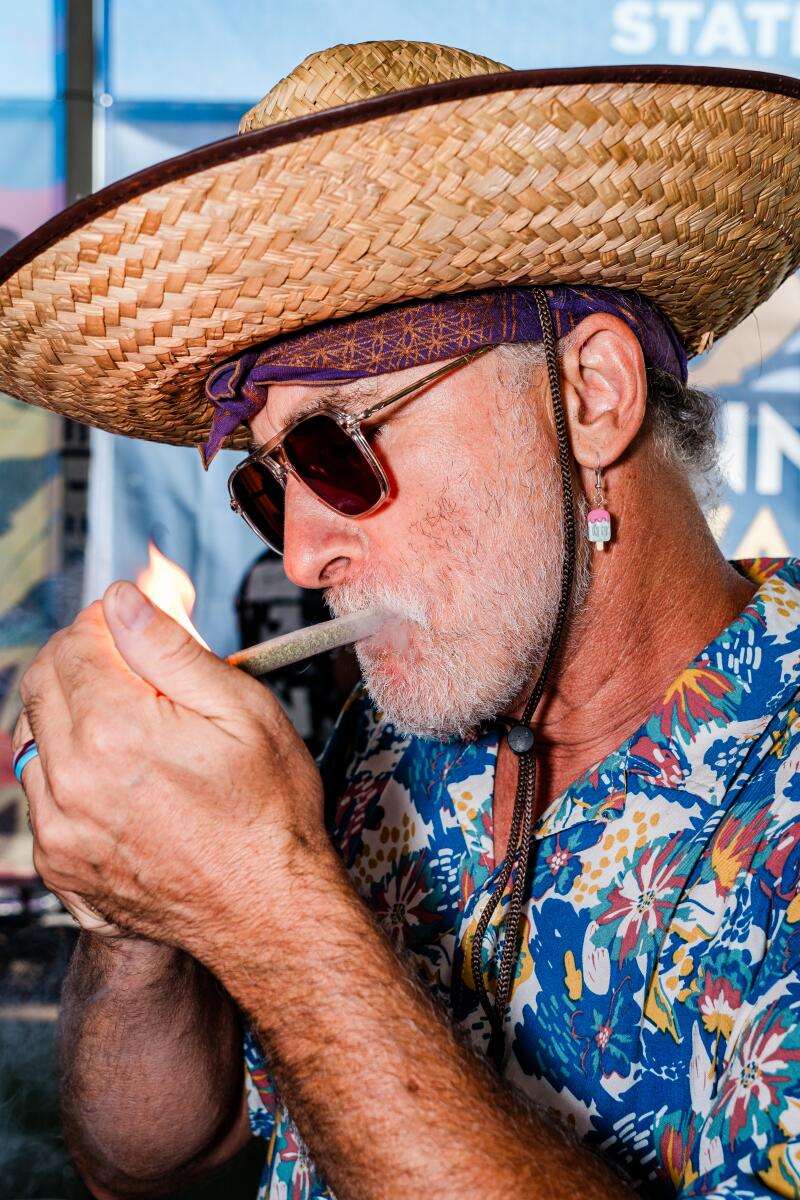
347	73
687	192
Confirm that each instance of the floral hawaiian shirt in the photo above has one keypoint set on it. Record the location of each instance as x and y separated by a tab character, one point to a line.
657	1001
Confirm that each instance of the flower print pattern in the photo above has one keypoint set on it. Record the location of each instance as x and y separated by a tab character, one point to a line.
675	1154
657	1001
719	1005
607	1033
653	757
562	857
756	1079
295	1156
639	906
734	847
403	900
701	694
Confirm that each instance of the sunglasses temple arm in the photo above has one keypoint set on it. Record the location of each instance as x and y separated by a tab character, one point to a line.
419	383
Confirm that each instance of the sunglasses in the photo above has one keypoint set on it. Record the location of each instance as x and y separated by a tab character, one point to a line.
329	454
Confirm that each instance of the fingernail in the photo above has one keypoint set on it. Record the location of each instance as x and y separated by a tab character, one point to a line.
133	609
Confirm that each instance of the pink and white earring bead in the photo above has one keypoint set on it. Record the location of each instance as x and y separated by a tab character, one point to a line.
598	521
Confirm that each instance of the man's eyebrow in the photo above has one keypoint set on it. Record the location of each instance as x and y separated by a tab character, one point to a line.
350	401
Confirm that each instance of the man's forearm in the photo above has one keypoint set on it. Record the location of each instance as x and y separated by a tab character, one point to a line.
150	1063
389	1100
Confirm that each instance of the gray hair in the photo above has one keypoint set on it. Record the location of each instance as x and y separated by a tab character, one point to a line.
682	420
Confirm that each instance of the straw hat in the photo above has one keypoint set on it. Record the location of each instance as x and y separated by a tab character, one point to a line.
386	171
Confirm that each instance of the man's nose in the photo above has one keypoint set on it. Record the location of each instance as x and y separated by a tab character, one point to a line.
319	545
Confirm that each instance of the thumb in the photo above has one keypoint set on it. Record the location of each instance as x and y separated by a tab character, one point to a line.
162	652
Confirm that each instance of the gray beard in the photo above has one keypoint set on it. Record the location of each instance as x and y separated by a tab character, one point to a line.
441	669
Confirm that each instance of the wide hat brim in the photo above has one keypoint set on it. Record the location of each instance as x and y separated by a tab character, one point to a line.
680	182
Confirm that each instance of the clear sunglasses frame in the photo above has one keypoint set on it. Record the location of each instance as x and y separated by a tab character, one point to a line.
273	457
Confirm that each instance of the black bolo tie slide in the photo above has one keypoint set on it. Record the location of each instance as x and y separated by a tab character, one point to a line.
520	739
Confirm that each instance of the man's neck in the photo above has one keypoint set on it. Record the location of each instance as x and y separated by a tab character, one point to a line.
659	594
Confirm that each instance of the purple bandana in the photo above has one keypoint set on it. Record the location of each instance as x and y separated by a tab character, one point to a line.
421	332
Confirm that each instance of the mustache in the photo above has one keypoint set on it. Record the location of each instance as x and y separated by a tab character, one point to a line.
401	602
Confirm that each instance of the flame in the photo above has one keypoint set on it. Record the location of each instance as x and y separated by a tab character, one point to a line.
168	586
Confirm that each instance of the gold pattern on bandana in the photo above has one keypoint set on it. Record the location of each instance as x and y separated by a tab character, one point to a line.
402	337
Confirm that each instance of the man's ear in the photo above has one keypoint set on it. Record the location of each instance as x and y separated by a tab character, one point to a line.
604	389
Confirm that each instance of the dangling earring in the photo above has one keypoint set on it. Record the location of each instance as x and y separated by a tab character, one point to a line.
599	519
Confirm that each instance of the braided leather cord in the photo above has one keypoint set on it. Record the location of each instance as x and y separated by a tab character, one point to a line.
518	854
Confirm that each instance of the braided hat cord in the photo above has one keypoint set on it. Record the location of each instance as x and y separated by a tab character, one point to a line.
518	855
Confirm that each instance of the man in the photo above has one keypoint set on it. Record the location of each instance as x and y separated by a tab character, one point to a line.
632	962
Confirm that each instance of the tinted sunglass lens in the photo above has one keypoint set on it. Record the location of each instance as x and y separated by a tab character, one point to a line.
261	499
332	465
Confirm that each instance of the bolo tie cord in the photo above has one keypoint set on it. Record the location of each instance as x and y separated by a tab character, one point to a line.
521	740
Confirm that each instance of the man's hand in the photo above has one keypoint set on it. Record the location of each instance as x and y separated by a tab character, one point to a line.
163	773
